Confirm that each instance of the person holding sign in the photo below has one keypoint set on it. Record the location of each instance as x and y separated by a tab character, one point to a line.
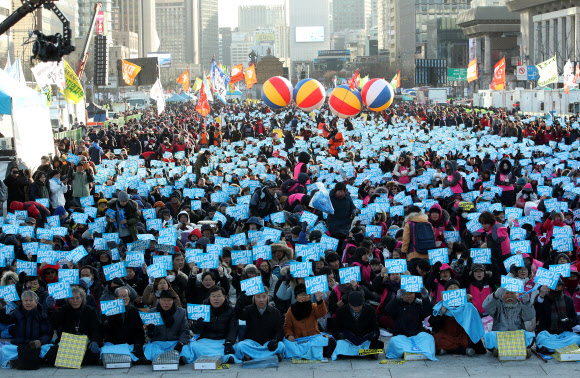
81	176
408	313
173	329
199	292
124	328
479	283
218	335
77	318
438	278
126	217
32	333
439	219
302	324
556	317
150	295
509	314
356	328
264	330
418	236
505	179
497	237
457	330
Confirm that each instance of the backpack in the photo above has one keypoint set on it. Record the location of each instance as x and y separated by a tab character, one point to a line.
290	187
422	237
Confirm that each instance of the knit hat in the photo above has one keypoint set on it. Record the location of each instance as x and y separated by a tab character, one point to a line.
251	269
451	282
123	196
60	211
527	187
302	178
193	233
476	267
158	204
166	294
299	289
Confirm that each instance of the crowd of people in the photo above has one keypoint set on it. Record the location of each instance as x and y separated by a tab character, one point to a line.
251	234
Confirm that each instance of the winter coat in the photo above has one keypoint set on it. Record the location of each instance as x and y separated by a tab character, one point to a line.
288	254
38	190
408	317
408	235
262	327
131	216
544	314
363	325
29	325
307	326
67	319
200	162
508	318
57	191
196	293
177	332
81	183
344	209
222	324
126	328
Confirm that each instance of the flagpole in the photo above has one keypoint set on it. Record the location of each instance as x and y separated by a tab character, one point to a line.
125	100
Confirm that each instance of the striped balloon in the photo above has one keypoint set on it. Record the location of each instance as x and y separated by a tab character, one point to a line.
277	92
377	95
345	102
309	94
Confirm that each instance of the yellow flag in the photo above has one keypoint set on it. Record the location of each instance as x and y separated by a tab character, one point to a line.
197	85
73	93
130	71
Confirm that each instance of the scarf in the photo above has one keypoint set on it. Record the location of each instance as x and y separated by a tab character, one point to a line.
167	316
558	311
301	310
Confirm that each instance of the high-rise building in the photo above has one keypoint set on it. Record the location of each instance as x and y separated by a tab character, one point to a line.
426	29
226	46
251	17
351	14
309	31
175	35
241	47
136	16
208	29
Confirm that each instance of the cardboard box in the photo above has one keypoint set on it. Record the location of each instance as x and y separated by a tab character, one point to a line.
414	357
511	346
569	353
207	363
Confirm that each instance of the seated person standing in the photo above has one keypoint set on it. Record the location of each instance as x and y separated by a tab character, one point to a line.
356	327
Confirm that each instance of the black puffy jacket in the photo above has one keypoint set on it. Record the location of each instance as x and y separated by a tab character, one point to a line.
126	328
222	324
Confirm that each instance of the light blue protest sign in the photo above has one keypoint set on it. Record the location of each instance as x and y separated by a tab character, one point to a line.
512	284
316	284
271	234
439	254
474	225
309	218
53	221
396	265
134	259
113	307
209	261
59	290
116	270
194	255
546	277
517	233
262	252
164	260
151	318
76	254
46	256
43	201
329	242
411	284
219	217
454	298
374	231
71	276
10	229
278	218
308	252
154	224
513	212
301	269
80	218
252	286
243	257
28	267
397	211
481	255
561	269
238	239
149	213
349	274
198	311
156	271
26	231
521	246
87	201
518	260
30	248
8	293
451	236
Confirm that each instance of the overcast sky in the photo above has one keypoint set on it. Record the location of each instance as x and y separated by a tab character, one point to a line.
228	9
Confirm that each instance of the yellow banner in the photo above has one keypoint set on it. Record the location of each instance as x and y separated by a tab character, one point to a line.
73	93
366	352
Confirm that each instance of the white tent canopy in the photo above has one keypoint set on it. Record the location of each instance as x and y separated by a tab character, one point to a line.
27	119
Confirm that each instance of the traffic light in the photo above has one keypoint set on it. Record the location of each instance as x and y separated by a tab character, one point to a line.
101	60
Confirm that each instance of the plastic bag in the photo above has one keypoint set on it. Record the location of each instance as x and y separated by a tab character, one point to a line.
321	200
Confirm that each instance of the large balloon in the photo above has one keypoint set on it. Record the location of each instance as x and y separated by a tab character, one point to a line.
377	95
309	94
345	102
277	92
